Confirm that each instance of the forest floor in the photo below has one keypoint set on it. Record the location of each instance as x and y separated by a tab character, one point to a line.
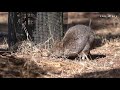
105	61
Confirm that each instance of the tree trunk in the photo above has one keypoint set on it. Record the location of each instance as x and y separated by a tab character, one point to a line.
42	27
48	24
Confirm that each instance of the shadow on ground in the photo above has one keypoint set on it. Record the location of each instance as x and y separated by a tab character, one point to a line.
19	68
91	57
98	42
113	73
97	56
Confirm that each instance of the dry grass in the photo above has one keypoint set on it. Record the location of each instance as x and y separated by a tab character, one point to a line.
33	64
4	44
33	61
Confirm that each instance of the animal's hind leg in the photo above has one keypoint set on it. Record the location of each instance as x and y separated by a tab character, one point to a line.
83	56
85	52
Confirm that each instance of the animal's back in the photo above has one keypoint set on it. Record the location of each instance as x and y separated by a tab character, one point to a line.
77	31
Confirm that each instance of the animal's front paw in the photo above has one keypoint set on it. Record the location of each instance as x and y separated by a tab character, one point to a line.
83	56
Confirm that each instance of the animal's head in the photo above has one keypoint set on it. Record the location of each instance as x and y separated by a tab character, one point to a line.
57	49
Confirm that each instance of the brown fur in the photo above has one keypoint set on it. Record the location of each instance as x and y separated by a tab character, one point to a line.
77	40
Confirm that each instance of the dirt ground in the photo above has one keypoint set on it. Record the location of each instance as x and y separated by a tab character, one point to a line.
105	57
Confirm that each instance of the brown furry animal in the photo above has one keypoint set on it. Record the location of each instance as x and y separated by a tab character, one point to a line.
76	42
